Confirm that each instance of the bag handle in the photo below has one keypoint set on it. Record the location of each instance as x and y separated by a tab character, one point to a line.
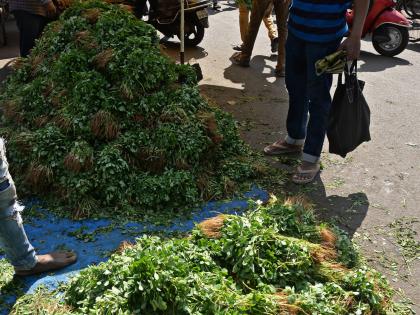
348	70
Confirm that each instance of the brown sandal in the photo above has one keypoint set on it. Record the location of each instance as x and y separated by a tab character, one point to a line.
305	176
282	147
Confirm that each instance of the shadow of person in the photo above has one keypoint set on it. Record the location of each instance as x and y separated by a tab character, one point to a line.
172	49
259	76
347	212
377	63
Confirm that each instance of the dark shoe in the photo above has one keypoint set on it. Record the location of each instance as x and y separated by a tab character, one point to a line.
280	73
237	47
274	45
237	59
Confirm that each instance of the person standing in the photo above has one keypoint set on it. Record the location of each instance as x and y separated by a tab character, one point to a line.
31	18
316	30
262	9
246	23
13	239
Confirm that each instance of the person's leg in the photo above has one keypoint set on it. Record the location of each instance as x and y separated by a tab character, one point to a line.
282	12
13	238
269	23
30	28
259	8
297	116
12	234
243	20
318	88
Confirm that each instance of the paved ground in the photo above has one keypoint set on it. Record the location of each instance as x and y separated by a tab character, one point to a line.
374	193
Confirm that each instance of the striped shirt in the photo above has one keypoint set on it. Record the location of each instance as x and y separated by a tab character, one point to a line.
319	21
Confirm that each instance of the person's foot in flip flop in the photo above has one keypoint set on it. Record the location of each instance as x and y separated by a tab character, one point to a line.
282	147
306	173
50	262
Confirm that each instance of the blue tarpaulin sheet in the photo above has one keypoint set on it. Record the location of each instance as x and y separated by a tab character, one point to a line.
49	232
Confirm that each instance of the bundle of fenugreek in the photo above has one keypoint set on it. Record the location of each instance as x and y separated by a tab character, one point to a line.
98	119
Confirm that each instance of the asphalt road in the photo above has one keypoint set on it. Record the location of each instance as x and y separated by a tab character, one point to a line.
374	193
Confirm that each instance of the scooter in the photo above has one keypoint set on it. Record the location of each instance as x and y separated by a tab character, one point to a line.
164	15
389	28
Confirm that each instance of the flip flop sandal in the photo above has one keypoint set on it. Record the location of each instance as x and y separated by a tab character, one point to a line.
306	176
281	148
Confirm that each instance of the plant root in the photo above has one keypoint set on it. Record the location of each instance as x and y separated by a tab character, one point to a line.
211	227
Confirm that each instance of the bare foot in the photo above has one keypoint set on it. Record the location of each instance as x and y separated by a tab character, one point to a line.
49	262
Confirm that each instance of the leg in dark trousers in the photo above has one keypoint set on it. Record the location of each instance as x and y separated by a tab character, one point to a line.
30	28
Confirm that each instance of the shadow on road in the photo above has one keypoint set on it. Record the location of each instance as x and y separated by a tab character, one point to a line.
348	212
414	47
259	76
377	63
171	49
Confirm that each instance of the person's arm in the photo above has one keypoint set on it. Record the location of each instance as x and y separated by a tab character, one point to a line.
352	44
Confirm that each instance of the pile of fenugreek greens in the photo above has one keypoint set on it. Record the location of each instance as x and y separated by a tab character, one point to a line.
97	119
274	259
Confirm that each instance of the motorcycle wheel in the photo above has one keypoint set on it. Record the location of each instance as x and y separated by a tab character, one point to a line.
195	36
398	39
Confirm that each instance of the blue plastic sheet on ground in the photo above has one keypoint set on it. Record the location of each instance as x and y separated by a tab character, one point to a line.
49	232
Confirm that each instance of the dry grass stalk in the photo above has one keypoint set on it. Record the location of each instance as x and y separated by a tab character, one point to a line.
102	59
103	125
298	201
328	238
18	63
126	92
127	7
62	122
39	176
92	15
209	121
72	163
284	306
10	110
48	89
211	227
85	40
322	254
35	62
153	161
84	207
124	246
41	121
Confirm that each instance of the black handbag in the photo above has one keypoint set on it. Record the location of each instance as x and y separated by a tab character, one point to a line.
349	119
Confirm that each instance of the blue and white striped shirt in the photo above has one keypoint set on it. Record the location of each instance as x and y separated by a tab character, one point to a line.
319	21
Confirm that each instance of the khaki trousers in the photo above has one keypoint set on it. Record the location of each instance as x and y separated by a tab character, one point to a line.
259	11
244	22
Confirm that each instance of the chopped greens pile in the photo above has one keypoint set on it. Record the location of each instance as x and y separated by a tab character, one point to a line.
275	259
99	121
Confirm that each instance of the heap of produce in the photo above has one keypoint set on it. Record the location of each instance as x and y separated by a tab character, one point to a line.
99	121
273	260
